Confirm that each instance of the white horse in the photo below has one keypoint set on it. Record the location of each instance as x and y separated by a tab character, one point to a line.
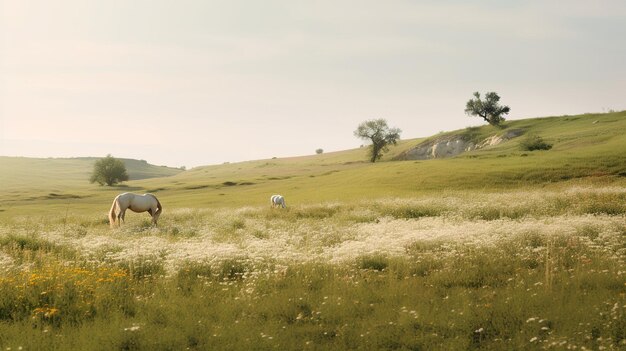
136	203
277	200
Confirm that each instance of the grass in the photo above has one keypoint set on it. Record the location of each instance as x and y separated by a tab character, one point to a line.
56	181
586	149
526	291
497	249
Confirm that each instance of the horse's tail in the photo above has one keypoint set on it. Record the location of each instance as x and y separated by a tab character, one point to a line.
112	213
159	207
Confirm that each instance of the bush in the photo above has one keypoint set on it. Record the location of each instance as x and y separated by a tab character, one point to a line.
534	142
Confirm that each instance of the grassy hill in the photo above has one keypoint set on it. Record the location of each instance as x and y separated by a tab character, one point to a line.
586	148
33	179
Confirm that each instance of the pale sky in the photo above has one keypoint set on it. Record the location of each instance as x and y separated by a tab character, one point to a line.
192	83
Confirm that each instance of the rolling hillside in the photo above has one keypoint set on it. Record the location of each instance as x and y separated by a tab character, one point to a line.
586	148
34	179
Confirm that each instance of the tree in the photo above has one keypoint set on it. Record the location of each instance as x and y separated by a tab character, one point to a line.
109	171
489	109
377	131
319	151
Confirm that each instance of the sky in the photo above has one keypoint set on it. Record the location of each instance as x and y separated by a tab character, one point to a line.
190	83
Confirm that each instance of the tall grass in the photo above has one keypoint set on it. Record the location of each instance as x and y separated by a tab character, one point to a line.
527	293
503	271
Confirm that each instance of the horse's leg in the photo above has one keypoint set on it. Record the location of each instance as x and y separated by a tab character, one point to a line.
119	218
122	216
151	212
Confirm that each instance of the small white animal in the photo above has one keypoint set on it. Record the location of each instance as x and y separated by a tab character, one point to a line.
277	200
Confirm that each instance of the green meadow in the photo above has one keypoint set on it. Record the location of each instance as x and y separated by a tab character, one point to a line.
493	249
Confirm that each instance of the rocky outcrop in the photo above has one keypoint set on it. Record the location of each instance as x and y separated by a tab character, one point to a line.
438	148
449	146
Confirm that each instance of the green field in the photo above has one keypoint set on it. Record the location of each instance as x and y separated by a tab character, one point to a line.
41	182
496	249
588	148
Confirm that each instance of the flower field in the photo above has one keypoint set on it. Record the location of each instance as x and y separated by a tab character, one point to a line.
521	270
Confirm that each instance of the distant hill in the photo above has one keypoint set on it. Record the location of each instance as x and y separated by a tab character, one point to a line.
138	169
39	177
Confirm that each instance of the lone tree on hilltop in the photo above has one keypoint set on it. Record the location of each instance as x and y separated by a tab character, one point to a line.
109	171
379	133
489	109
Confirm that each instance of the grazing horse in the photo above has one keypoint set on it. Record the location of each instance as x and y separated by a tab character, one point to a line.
277	200
136	203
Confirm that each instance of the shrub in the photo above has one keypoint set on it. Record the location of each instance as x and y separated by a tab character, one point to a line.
534	142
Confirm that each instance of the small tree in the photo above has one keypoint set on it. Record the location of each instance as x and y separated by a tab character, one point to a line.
489	109
109	171
379	133
319	151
